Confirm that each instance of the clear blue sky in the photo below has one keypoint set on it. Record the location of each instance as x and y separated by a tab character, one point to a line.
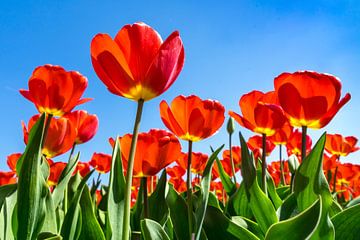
230	49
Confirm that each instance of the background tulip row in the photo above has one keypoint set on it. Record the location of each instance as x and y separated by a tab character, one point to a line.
156	190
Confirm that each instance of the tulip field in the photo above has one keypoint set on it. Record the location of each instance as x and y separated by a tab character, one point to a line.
158	190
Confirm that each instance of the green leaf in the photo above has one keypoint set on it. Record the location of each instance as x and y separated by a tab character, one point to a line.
261	206
288	207
272	191
178	213
353	202
90	229
218	226
5	191
50	224
249	225
283	192
48	236
137	210
152	230
299	227
71	226
58	193
228	185
205	187
158	209
31	183
309	183
6	214
116	195
347	223
238	204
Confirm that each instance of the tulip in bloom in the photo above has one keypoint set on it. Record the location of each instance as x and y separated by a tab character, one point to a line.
309	98
155	150
101	162
55	173
198	161
86	125
338	145
236	154
137	64
191	118
255	144
294	143
83	168
7	178
274	169
54	90
282	135
260	113
60	136
12	160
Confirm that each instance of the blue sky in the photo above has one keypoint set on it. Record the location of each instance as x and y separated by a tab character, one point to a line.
230	49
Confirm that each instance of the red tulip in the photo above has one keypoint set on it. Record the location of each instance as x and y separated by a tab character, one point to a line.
12	160
55	173
282	135
60	136
7	178
198	161
83	168
154	151
255	144
308	98
260	111
85	124
275	172
236	154
54	90
191	118
101	162
293	145
137	64
338	145
176	171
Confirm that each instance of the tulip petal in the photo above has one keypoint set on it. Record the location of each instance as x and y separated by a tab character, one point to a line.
332	112
242	121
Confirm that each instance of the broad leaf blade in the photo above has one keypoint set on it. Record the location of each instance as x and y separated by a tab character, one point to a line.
347	223
152	230
158	209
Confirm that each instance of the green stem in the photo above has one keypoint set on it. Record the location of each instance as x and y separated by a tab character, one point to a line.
336	170
145	197
303	142
263	163
283	182
65	200
129	172
46	128
231	159
189	191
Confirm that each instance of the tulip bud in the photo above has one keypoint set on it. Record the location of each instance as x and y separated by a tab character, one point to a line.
230	126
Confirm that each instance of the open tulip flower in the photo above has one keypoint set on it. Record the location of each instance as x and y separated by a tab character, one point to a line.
7	178
155	150
137	64
309	98
274	168
236	154
260	113
255	144
294	143
55	173
86	125
12	160
338	145
282	135
101	162
83	168
60	136
191	118
198	163
54	90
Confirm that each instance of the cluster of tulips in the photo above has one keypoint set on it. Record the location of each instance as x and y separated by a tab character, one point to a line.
156	190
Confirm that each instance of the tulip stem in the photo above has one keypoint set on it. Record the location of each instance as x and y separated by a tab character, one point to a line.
336	170
303	142
283	182
46	128
189	191
129	172
231	159
263	163
145	197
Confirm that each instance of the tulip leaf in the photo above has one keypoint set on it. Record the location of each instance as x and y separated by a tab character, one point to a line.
158	209
71	227
238	204
283	191
261	206
178	213
64	179
48	236
229	186
288	207
137	210
31	183
90	228
50	224
347	223
353	202
152	230
309	183
272	191
6	191
218	226
249	225
205	187
299	227
6	213
116	195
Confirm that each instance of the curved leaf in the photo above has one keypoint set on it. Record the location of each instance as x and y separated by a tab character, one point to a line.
238	204
347	223
205	187
152	230
299	227
158	209
229	186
